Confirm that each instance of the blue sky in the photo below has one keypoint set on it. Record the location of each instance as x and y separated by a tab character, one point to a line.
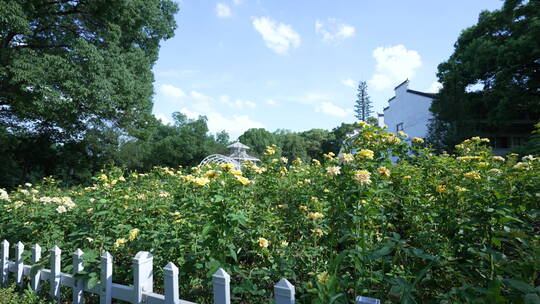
295	64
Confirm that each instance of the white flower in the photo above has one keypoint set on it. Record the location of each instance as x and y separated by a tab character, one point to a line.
61	209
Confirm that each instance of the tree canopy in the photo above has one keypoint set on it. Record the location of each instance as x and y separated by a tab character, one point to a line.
68	65
492	79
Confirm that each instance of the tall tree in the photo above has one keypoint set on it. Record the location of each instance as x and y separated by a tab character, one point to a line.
491	83
74	76
67	65
362	106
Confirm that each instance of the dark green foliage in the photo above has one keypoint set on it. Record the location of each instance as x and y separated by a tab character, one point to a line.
66	66
500	54
10	296
363	106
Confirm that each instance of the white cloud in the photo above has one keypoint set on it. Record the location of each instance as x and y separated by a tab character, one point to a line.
238	103
271	102
165	119
277	36
332	31
394	64
331	109
435	87
237	2
223	10
172	92
348	82
235	125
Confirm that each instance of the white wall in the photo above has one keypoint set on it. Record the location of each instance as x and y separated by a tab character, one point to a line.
410	109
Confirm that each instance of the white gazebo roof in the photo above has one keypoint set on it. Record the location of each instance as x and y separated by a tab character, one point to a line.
238	146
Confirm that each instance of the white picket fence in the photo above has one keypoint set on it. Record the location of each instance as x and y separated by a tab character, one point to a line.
143	279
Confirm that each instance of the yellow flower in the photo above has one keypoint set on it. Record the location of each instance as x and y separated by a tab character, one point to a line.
417	140
362	123
227	166
363	202
498	158
472	175
303	208
200	181
284	160
315	215
365	153
326	190
210	174
133	234
283	206
333	171
403	134
384	172
243	180
269	151
495	171
347	157
407	177
284	243
122	179
441	188
460	189
316	162
317	232
263	242
521	166
483	164
283	171
120	242
103	177
297	161
329	155
363	177
235	172
323	277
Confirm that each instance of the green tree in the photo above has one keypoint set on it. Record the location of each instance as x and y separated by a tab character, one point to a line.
66	66
362	106
492	79
75	77
258	139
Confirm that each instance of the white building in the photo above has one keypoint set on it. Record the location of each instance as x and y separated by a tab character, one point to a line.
408	111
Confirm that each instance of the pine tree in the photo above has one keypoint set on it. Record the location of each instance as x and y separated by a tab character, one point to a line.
363	107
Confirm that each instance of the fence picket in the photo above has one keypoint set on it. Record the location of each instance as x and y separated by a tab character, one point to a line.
106	278
19	265
142	289
170	278
221	284
5	262
78	284
366	300
55	273
143	275
284	292
36	256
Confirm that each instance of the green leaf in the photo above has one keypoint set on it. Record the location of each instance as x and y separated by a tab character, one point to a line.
531	298
519	285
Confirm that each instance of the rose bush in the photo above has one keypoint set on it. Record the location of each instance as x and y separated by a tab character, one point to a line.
427	228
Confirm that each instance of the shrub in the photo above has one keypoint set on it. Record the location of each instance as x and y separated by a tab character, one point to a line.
427	228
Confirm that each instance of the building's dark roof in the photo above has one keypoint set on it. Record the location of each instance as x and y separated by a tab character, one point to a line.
386	108
430	95
406	81
391	99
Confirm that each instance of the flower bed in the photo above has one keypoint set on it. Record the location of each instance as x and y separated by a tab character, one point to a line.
428	228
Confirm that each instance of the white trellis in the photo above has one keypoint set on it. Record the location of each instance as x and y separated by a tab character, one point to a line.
143	279
220	159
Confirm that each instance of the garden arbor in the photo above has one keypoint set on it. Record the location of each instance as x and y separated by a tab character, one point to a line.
237	157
